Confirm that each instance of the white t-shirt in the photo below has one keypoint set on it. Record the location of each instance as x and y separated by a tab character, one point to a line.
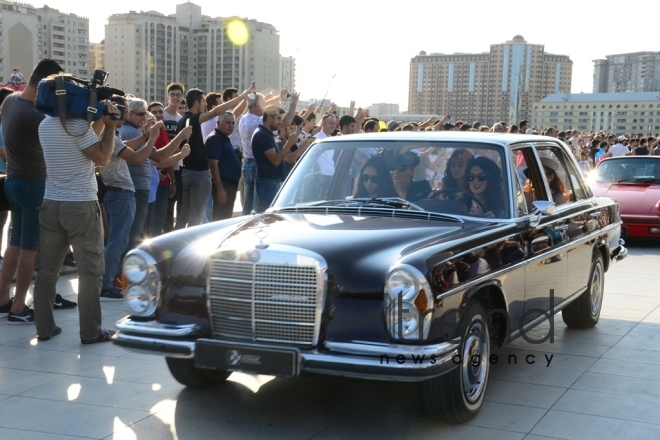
326	160
208	127
70	174
619	150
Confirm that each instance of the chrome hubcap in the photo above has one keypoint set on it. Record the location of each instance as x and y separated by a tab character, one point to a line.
475	362
596	289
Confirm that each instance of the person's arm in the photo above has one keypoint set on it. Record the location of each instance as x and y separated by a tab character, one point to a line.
3	153
165	152
277	157
293	157
288	117
217	180
138	157
310	110
240	108
100	152
225	106
175	158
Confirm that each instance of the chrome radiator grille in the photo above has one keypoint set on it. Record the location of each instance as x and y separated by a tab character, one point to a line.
263	302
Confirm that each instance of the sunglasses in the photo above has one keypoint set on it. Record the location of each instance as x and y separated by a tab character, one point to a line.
375	178
140	114
400	168
481	177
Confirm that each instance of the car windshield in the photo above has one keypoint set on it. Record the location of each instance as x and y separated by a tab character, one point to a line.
443	177
627	170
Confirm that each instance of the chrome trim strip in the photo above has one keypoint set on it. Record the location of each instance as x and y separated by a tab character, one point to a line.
155	328
500	272
360	348
143	344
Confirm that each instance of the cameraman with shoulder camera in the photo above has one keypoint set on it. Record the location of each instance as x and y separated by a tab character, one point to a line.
71	215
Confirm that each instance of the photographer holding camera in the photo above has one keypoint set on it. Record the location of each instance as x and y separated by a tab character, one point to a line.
71	215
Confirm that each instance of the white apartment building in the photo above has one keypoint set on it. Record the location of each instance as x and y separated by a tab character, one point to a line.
383	109
619	113
288	73
28	34
145	51
97	56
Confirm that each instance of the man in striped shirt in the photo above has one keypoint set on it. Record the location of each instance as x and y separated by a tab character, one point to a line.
71	215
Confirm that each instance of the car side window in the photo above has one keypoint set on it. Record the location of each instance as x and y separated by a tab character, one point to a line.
519	166
561	175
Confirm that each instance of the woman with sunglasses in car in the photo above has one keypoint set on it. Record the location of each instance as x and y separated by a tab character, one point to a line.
402	168
485	191
374	180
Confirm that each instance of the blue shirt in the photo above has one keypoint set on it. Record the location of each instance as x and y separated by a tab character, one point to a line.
262	141
220	147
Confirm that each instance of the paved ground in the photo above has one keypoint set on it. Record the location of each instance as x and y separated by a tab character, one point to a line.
601	383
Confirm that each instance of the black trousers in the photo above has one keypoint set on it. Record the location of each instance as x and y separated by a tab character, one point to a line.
221	212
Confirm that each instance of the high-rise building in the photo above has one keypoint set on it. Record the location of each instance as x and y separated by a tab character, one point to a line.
288	73
97	55
145	51
499	85
28	34
627	72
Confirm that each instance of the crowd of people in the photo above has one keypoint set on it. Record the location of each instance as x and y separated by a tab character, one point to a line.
158	167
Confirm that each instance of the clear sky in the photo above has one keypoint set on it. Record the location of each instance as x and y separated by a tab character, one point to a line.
368	45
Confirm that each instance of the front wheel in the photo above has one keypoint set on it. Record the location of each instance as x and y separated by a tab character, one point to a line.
584	312
185	372
458	395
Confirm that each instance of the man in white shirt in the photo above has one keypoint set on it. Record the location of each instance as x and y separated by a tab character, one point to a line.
326	161
619	149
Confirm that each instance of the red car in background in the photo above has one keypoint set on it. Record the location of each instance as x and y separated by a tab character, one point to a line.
634	182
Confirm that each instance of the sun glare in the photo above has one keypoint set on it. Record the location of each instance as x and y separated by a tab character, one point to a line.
238	32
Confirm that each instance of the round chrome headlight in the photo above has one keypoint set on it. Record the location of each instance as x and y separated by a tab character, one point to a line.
402	283
403	321
135	268
140	301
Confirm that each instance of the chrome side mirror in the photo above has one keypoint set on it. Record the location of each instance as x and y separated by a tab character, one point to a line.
541	208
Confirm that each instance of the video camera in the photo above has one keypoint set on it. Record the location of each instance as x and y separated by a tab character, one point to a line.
68	97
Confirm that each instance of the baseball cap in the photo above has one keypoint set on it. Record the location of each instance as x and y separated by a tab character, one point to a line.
623	137
392	125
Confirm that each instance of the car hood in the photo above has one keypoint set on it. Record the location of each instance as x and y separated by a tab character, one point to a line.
345	235
632	198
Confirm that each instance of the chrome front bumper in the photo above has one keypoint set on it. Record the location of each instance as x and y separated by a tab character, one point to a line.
620	252
358	359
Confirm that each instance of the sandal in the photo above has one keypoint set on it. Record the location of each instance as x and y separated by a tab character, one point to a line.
104	336
56	331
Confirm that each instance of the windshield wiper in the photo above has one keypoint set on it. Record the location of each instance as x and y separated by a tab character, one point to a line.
394	202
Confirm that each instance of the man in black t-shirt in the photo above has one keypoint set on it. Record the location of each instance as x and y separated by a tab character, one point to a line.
196	178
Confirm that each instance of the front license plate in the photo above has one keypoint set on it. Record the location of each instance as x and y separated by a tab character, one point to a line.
258	359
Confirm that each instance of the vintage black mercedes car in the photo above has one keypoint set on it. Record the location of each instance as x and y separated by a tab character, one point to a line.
392	256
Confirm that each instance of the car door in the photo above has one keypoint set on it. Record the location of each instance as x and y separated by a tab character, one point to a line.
579	218
546	243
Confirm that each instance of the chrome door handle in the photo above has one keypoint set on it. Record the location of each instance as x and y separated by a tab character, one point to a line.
560	227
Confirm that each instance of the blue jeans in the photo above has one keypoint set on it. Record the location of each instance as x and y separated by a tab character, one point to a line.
249	189
266	191
25	196
119	208
196	190
157	212
141	211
